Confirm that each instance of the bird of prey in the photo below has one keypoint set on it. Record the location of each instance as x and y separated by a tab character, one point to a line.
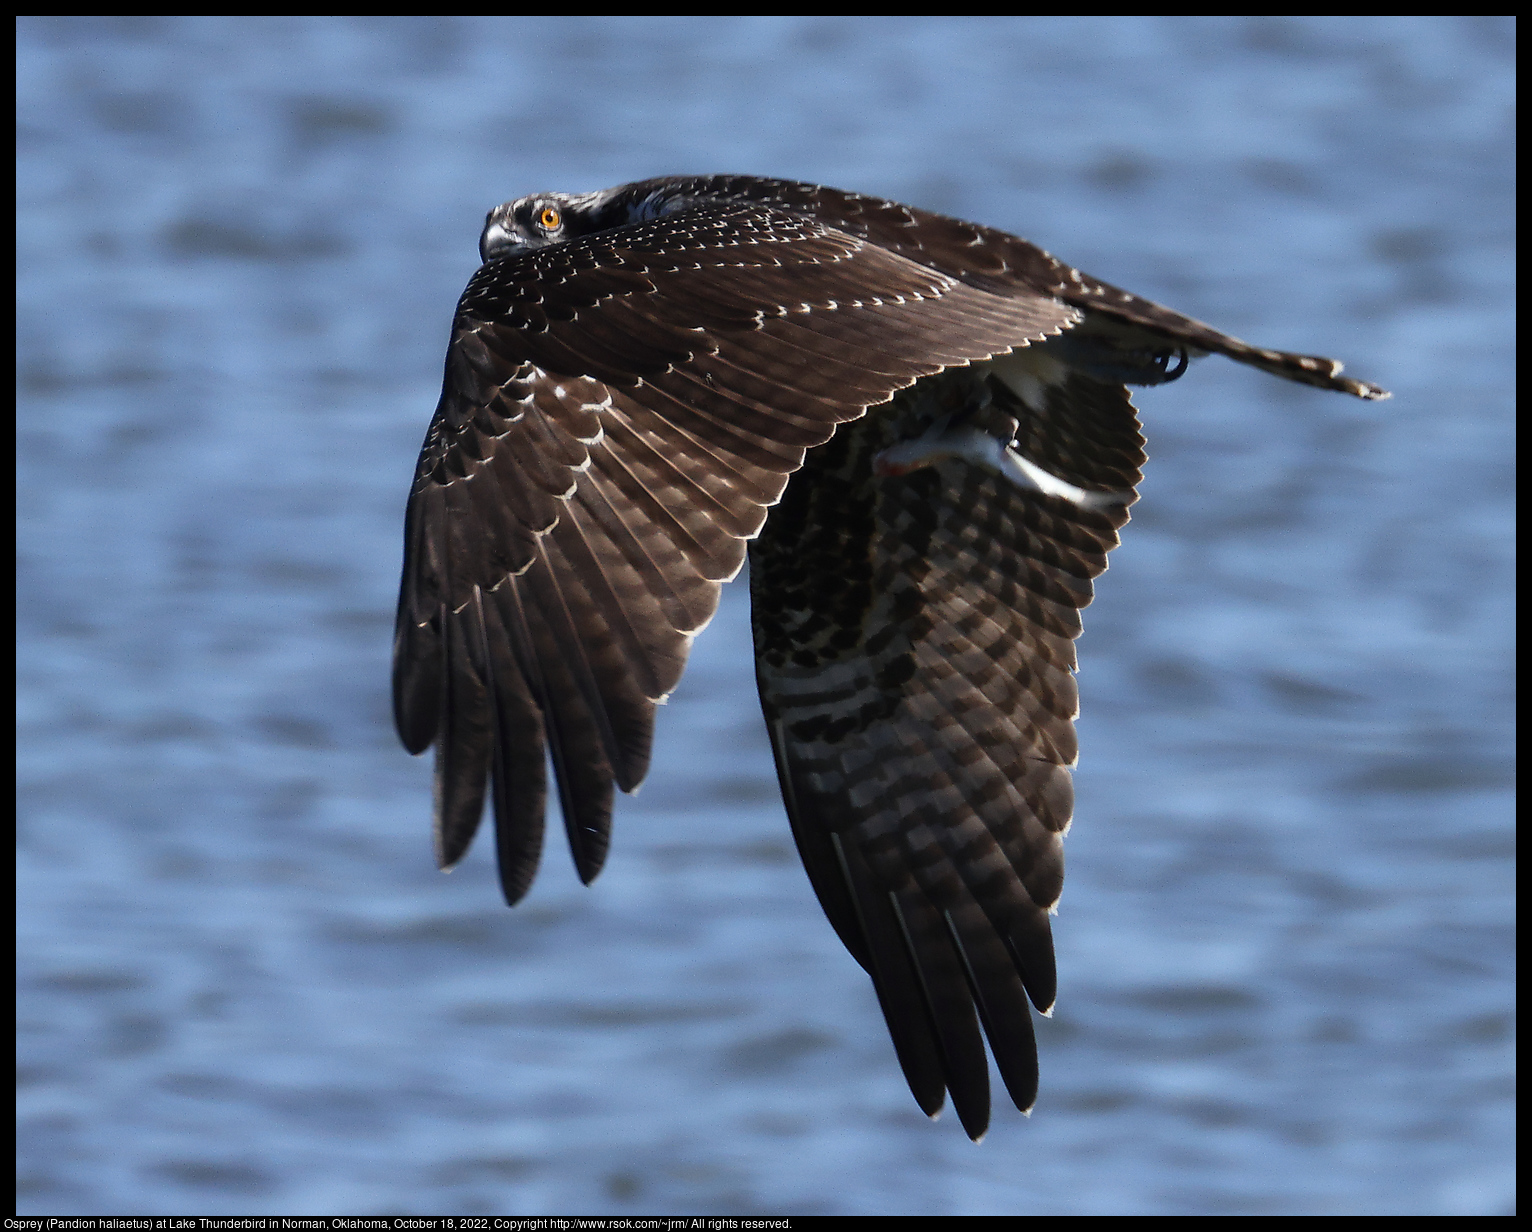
918	429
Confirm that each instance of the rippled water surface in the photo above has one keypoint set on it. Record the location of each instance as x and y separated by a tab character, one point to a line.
1284	945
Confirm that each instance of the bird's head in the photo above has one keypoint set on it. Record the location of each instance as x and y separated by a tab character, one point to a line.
527	223
544	219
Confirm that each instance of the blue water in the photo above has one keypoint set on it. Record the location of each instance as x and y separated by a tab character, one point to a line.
1285	940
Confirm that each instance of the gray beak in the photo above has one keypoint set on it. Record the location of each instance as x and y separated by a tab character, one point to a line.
498	242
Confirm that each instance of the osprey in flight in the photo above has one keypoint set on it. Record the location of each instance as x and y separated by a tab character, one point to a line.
919	430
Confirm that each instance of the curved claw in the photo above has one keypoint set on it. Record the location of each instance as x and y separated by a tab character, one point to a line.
1162	362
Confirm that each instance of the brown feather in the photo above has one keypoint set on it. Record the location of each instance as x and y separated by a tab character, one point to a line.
621	410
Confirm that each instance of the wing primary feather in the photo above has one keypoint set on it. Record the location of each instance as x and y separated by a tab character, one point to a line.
420	663
1030	942
419	668
572	715
896	980
634	655
1002	1004
465	741
950	1004
519	772
820	858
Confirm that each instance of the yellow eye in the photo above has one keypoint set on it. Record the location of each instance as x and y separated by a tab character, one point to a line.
549	219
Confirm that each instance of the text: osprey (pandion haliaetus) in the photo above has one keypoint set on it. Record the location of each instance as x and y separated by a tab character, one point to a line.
920	430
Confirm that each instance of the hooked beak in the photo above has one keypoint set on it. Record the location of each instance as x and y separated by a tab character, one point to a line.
498	242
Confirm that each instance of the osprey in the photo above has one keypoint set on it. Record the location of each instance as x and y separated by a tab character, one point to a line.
918	428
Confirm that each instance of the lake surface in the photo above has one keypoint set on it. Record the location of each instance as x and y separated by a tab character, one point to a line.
1285	944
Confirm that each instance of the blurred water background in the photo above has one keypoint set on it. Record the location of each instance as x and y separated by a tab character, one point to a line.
1285	941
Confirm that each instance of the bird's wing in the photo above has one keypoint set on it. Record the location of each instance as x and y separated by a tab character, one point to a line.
618	412
1006	264
915	650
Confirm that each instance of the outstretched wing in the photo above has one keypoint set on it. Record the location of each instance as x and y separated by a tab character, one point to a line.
1006	264
914	636
617	415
